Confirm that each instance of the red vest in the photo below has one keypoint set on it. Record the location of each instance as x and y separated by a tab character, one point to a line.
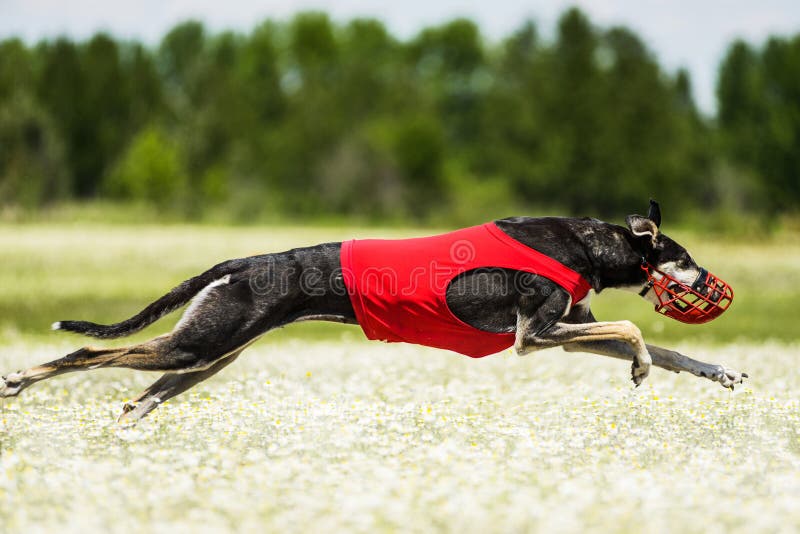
398	287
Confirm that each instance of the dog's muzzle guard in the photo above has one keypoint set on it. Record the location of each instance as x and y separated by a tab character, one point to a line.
699	303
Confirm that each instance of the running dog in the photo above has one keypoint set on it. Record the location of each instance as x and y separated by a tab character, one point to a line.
523	282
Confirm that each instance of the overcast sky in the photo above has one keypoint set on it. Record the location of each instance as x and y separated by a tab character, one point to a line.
690	33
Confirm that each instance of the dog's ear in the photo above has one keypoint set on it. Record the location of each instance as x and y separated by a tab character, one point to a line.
654	214
643	227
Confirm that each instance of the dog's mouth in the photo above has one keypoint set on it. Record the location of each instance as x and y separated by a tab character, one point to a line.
706	299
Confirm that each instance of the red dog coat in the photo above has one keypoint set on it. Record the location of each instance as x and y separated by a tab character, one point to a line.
398	287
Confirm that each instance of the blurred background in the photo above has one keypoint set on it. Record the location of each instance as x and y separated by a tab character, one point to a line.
133	136
249	113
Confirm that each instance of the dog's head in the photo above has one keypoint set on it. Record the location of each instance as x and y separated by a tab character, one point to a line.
675	283
660	251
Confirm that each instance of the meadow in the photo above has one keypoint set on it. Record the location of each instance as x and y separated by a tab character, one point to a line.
315	428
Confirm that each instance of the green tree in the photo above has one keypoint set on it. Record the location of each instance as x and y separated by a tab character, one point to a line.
60	90
258	76
32	164
105	107
312	45
370	69
16	69
419	150
640	150
261	109
178	54
739	101
144	87
759	117
450	63
151	170
778	157
572	113
314	124
513	132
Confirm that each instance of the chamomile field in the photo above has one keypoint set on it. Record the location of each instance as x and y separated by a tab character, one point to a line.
315	429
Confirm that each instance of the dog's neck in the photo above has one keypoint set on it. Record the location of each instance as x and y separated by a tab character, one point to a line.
616	262
601	252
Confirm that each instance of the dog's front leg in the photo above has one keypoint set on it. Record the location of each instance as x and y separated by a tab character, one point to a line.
623	332
666	359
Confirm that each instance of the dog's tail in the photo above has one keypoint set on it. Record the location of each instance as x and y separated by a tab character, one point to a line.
170	302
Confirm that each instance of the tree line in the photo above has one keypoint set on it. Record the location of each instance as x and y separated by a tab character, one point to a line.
312	118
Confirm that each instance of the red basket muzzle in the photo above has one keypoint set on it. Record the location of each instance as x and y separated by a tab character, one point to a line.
705	300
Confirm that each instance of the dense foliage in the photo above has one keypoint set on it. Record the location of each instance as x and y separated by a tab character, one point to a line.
318	119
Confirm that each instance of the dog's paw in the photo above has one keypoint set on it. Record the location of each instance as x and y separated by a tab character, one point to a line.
639	372
125	418
728	378
10	385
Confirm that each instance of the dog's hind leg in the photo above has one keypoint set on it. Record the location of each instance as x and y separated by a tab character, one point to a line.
159	354
166	387
664	358
80	360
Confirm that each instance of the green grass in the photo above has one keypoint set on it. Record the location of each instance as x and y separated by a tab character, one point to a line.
106	273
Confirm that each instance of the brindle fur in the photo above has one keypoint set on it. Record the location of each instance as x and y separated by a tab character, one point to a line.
237	301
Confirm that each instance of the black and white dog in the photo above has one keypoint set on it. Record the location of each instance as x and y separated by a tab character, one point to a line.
233	306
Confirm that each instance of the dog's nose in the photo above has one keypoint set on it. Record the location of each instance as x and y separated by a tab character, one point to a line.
709	286
700	284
